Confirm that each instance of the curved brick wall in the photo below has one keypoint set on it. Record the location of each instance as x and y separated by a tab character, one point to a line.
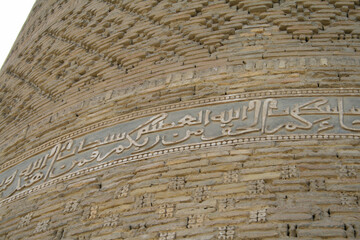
162	119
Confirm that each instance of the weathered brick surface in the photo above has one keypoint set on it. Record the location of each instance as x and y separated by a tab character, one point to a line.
76	63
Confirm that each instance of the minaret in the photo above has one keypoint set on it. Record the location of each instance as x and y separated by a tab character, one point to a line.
165	119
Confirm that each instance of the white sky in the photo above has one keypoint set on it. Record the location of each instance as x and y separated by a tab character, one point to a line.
13	14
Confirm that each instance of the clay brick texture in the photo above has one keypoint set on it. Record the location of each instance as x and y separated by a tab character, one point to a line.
182	119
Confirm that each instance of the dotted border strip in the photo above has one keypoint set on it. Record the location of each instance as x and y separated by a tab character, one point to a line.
187	147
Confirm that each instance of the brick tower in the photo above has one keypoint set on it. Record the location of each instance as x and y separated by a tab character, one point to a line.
188	119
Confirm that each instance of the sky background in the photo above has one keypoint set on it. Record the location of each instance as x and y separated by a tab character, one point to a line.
13	14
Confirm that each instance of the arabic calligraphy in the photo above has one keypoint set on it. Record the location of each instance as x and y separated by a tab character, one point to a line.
251	118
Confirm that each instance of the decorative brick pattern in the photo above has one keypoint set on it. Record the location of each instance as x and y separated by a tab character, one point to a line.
42	226
287	70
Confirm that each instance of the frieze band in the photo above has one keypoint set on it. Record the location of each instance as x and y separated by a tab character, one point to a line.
182	105
280	115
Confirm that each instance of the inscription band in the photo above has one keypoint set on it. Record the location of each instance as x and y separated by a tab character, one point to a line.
307	114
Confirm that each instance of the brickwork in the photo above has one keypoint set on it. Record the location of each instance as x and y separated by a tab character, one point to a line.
80	66
318	202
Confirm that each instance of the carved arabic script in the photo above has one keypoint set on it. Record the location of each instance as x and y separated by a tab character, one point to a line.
271	116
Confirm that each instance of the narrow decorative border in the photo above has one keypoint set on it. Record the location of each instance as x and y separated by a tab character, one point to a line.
187	147
178	106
